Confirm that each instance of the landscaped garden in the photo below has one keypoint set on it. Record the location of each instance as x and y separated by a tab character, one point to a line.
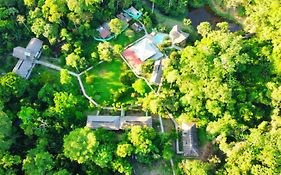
124	39
103	80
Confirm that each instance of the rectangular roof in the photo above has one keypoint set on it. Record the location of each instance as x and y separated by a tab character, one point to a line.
34	46
133	10
190	141
23	68
103	32
107	122
124	17
19	52
135	120
177	36
157	72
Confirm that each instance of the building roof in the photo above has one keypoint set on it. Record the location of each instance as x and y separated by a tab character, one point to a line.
19	52
136	27
104	32
140	52
177	36
133	11
132	59
127	121
31	51
34	46
117	122
24	68
157	72
26	57
190	141
107	122
124	17
145	49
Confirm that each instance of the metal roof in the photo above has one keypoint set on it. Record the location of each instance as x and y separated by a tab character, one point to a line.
157	72
177	36
190	141
135	120
34	46
107	122
117	122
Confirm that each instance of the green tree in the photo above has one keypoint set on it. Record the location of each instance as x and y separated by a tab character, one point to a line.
38	161
80	145
116	25
104	155
140	86
54	10
65	77
5	132
122	166
141	138
29	117
124	150
258	154
105	51
64	102
12	85
191	167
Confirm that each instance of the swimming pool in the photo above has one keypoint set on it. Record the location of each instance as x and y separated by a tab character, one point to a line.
159	38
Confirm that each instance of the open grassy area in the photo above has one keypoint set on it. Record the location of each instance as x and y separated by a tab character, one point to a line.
105	80
170	22
91	45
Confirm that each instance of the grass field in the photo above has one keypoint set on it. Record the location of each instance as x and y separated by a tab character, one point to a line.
91	45
105	79
170	22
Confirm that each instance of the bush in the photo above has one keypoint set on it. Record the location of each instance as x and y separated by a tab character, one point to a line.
129	33
89	79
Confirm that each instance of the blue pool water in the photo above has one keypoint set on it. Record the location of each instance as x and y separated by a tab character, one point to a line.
159	38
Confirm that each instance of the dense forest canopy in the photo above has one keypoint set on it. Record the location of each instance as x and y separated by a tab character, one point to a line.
227	82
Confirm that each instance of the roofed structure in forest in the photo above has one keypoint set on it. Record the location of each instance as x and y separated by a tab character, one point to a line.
104	30
117	122
124	17
134	13
27	57
177	36
190	141
127	121
157	72
106	122
141	51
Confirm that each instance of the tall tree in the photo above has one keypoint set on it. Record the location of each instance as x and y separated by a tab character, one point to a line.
80	145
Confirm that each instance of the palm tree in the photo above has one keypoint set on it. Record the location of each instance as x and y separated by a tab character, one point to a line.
21	20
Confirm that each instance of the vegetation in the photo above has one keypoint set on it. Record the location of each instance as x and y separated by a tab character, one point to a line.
227	82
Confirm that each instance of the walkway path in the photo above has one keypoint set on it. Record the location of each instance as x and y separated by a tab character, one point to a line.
55	67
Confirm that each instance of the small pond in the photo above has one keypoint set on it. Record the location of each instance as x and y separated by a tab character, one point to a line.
206	14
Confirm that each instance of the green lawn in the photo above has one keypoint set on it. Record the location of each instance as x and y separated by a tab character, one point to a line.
91	45
123	40
105	79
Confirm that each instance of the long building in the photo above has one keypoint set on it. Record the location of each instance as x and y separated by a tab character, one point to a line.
27	57
117	122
